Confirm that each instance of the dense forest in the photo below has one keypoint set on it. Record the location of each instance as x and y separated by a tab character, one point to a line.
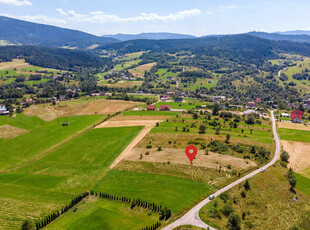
56	58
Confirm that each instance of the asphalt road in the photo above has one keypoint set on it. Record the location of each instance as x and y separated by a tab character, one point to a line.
192	216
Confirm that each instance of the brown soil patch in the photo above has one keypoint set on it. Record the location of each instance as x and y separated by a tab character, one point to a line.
178	156
139	70
8	131
15	63
146	123
299	154
78	108
289	125
139	118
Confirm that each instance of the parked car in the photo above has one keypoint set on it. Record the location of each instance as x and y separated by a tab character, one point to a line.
211	197
262	169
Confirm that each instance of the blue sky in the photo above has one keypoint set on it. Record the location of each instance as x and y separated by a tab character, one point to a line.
197	17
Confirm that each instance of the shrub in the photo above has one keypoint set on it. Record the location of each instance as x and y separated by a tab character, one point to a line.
284	156
149	146
243	194
234	222
227	209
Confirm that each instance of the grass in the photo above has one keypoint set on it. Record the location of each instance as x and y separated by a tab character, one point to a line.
303	184
55	179
269	202
95	213
150	113
22	149
177	105
173	192
294	135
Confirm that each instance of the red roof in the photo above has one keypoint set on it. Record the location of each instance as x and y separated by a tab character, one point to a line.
165	107
151	107
297	114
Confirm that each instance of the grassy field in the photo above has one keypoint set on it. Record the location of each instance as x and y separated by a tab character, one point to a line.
95	213
173	192
269	202
294	135
43	136
177	105
303	184
150	113
52	181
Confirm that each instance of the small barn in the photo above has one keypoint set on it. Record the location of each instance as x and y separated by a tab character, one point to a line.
151	108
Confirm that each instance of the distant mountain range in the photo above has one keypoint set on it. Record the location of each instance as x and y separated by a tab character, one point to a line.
151	36
28	33
284	36
14	31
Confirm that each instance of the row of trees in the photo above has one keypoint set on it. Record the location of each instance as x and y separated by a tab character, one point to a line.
154	226
164	212
51	217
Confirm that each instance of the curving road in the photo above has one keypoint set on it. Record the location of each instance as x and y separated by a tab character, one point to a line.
192	216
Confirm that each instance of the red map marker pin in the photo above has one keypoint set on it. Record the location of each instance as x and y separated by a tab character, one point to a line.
191	152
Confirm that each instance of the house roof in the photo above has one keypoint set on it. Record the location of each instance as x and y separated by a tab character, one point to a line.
165	107
297	114
151	107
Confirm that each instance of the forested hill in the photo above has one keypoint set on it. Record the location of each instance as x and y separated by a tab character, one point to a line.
153	36
282	37
245	48
28	33
58	58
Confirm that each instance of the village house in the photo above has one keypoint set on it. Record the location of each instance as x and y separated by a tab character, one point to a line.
3	110
223	98
284	115
62	97
296	116
178	99
29	100
258	100
165	98
165	107
151	107
251	104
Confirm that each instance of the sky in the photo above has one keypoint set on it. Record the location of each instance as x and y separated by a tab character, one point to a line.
196	17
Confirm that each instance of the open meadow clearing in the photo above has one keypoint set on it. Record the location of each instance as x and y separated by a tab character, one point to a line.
294	135
290	125
52	181
88	106
173	192
42	137
94	213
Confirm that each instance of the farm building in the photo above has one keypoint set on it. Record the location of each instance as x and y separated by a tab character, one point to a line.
250	111
178	99
284	115
30	101
296	116
151	107
251	104
3	110
165	98
165	107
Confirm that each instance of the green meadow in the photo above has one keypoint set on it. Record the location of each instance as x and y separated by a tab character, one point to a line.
42	137
52	181
177	105
94	213
303	184
294	135
173	192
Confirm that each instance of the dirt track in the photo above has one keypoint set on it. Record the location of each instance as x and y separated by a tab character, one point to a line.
299	154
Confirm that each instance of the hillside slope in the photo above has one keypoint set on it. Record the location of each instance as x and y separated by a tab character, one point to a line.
28	33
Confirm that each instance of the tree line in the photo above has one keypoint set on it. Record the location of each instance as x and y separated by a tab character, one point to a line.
164	212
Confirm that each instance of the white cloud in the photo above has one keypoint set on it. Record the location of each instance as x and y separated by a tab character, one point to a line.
38	18
17	2
210	12
61	11
101	17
